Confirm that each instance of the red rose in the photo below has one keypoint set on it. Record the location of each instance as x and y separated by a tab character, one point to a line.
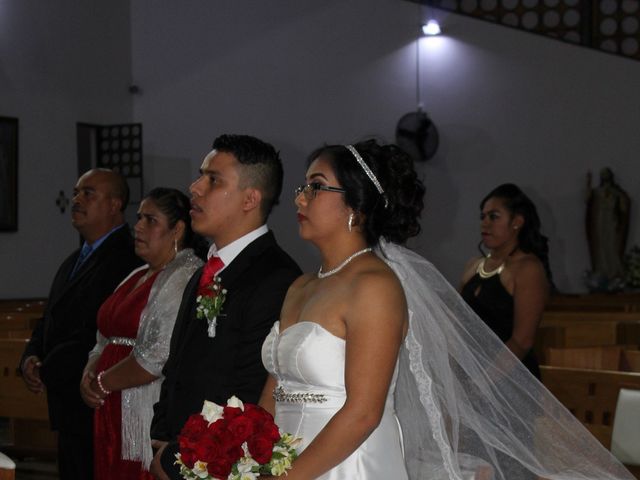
257	414
229	413
188	457
240	429
219	428
271	431
261	448
263	422
220	467
208	448
195	426
190	435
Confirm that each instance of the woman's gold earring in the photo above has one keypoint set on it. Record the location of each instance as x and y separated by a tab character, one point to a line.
350	223
175	245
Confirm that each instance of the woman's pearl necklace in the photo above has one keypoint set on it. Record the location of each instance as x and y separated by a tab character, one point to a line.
322	274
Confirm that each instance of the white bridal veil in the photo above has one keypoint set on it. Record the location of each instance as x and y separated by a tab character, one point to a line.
468	407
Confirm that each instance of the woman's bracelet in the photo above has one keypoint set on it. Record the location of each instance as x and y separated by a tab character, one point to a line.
99	380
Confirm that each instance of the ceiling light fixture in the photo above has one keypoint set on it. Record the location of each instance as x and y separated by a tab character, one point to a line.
432	27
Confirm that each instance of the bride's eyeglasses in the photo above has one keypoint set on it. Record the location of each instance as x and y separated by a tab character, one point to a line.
310	190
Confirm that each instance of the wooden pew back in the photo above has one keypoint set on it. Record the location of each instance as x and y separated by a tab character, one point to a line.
596	302
632	360
13	321
585	334
594	358
572	336
16	401
590	395
550	317
34	305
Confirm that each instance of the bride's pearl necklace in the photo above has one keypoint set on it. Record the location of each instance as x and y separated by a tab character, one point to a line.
322	274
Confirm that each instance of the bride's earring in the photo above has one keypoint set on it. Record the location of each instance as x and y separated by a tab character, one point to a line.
350	222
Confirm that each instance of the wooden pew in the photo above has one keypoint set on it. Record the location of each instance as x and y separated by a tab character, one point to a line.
573	335
17	321
631	360
593	358
590	395
24	333
15	400
27	411
550	317
621	302
570	334
33	305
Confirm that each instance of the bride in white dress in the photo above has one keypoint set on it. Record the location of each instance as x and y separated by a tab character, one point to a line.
381	368
333	355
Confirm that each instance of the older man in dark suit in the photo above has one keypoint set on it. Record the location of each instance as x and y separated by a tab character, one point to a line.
213	359
57	352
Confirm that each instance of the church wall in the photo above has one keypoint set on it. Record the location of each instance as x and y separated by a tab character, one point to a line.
510	106
61	62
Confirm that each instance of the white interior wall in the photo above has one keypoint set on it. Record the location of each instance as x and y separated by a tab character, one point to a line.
60	63
510	106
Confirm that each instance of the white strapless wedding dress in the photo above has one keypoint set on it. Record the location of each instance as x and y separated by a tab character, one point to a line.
308	363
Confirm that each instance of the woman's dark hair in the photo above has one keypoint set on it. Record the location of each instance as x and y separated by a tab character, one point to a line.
403	190
530	239
176	205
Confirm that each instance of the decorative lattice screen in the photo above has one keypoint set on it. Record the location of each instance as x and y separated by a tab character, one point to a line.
119	147
609	25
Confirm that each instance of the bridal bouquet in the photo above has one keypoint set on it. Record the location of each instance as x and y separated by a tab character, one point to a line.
235	442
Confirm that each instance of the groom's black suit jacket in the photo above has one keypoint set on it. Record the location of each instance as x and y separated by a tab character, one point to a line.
201	368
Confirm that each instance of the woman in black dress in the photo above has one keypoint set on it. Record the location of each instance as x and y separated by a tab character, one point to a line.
509	286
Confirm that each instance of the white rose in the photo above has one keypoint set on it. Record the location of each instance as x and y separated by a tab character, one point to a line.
278	469
235	402
200	469
211	411
290	440
246	464
249	476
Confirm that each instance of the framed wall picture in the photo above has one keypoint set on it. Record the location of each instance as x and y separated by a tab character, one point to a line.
8	174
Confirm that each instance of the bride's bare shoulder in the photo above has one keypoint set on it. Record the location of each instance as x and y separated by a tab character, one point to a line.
375	279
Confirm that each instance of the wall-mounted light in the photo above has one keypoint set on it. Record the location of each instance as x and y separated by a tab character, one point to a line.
432	27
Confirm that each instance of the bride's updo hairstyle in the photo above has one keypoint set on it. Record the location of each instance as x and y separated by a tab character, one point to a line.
395	213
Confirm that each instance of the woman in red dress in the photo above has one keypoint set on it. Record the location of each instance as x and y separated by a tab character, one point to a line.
123	375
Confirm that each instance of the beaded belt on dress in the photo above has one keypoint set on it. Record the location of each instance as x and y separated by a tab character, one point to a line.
281	395
130	342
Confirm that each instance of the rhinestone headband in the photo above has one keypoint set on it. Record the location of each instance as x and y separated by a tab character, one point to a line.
369	173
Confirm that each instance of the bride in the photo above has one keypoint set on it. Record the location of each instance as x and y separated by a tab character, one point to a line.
381	368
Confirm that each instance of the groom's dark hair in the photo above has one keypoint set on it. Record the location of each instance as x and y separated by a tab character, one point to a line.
261	166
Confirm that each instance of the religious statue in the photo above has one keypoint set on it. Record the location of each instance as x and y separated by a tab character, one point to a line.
607	222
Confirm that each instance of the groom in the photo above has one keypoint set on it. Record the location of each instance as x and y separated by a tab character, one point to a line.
240	181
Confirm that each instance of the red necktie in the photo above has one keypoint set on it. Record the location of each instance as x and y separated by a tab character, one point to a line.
213	265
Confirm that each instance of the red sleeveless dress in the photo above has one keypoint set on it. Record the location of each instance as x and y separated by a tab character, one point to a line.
118	316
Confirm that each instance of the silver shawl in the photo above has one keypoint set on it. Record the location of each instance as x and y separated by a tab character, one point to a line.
151	351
